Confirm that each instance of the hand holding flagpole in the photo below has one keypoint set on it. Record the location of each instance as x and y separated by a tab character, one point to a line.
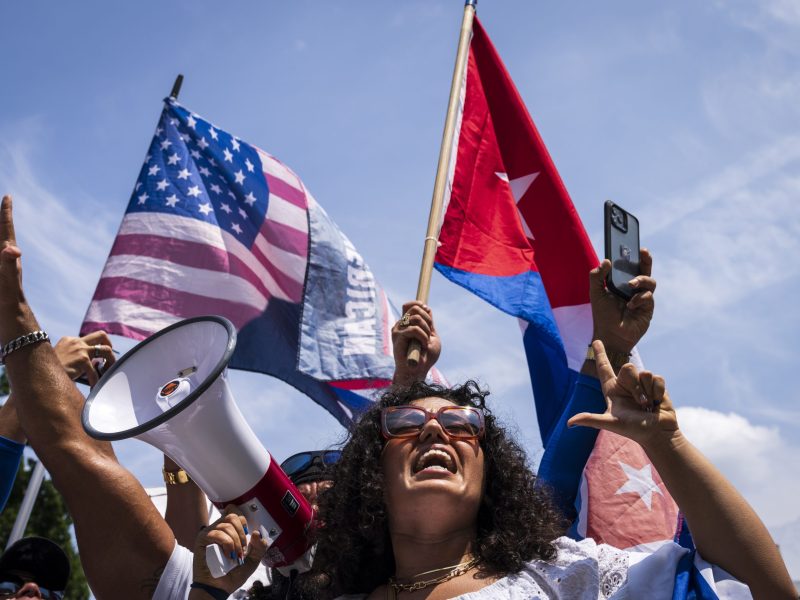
434	219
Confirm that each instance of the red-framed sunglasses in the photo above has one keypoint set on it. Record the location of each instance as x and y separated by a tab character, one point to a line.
460	422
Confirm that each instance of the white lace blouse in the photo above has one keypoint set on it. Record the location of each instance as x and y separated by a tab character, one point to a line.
584	570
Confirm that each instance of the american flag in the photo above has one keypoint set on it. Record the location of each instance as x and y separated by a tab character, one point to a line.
218	226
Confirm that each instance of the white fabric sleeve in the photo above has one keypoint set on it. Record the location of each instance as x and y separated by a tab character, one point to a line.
177	576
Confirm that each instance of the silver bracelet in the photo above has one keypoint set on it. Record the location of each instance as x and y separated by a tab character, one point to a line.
24	340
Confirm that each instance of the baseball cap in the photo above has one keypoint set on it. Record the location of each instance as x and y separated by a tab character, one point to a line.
42	559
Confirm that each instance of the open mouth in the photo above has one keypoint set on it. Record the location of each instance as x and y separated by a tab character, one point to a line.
435	460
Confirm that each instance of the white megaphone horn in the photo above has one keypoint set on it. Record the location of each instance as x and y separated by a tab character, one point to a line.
171	391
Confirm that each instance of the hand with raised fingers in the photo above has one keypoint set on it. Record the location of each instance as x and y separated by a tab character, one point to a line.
79	355
637	404
415	324
230	532
619	324
10	268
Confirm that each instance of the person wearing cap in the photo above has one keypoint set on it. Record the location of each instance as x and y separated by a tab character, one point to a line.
34	567
310	471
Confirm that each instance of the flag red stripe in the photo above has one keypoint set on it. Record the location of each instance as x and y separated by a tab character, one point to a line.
203	256
361	384
291	287
288	192
285	237
170	300
116	328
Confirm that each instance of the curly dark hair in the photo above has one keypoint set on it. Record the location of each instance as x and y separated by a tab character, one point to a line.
517	522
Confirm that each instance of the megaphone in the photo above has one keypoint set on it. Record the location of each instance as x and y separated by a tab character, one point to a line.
171	391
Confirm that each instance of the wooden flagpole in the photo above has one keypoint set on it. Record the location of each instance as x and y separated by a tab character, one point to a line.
432	235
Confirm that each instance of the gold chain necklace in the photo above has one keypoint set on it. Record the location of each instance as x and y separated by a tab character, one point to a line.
455	571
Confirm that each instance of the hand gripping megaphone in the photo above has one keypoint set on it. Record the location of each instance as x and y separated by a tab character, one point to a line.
171	391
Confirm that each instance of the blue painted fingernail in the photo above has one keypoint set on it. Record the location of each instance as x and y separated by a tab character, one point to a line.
233	555
245	530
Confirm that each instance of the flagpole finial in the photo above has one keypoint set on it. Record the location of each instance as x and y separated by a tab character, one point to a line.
176	87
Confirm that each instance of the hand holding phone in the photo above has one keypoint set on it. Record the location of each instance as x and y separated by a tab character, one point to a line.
622	249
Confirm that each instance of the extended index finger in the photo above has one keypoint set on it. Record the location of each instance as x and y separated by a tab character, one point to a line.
7	236
605	372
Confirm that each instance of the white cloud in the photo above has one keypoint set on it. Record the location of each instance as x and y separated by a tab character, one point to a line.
729	237
757	459
62	252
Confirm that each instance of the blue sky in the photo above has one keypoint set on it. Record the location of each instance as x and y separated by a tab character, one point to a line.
686	114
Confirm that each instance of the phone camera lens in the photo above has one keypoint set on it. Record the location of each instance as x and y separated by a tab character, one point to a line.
618	219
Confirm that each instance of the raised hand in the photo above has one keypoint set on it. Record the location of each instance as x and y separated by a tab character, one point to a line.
76	355
619	324
230	532
637	404
415	324
10	269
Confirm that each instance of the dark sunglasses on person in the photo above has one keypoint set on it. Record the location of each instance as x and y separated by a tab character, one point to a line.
10	587
460	422
297	463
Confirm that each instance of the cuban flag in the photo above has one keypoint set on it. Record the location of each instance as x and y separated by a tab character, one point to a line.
511	235
218	226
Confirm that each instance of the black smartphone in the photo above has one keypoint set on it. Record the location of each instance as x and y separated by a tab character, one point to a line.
622	248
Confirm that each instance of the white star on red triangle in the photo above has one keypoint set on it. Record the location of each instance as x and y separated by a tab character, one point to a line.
518	188
640	481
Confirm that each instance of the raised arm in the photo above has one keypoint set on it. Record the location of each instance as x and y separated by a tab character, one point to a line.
124	543
725	528
617	323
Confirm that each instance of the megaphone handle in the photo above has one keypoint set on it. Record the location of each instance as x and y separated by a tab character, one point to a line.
218	563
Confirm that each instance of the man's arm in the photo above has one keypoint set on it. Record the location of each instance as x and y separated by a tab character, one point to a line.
187	506
123	541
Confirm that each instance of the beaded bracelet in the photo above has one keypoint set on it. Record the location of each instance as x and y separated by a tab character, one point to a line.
22	341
